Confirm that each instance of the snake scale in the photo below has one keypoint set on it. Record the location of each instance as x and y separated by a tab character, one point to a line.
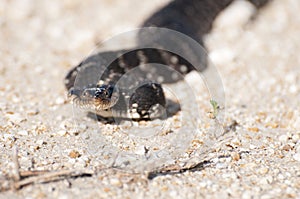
193	18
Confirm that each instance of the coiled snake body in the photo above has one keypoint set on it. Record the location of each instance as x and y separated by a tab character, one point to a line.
103	96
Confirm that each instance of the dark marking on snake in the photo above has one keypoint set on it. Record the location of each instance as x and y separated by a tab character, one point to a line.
104	97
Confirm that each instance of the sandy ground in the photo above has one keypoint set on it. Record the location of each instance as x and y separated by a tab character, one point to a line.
258	61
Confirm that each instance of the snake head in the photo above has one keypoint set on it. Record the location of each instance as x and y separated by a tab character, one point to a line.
95	98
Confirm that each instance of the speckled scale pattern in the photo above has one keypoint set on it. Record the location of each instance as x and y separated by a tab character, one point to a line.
186	17
143	78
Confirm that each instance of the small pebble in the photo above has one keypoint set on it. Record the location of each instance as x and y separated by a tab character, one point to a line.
8	137
297	157
40	142
235	156
280	176
15	117
287	147
33	112
59	101
115	182
296	138
283	138
253	129
272	125
74	154
221	165
263	170
62	132
23	132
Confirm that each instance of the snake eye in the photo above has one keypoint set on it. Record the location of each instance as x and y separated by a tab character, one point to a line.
103	91
107	93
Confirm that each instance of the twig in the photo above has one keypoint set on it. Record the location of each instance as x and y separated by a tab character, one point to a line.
26	174
20	179
16	170
176	169
51	177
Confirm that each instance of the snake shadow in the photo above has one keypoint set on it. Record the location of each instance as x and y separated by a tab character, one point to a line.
172	108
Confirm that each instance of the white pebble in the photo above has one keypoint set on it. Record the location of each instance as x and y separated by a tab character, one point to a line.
8	137
40	142
295	138
15	118
221	165
62	132
115	182
283	138
23	132
280	176
59	101
140	150
264	181
297	157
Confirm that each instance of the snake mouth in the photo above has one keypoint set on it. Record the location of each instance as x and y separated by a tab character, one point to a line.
94	98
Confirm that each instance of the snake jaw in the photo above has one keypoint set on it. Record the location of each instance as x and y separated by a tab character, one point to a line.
96	98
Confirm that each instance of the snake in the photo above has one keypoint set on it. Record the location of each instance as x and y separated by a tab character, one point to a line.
99	74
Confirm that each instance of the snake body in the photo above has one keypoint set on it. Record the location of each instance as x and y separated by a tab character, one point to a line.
98	90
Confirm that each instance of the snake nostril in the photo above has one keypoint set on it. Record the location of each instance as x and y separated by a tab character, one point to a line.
73	92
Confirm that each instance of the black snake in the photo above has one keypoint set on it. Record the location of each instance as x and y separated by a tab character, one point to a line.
193	18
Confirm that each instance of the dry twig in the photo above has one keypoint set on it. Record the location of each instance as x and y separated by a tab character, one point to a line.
20	179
